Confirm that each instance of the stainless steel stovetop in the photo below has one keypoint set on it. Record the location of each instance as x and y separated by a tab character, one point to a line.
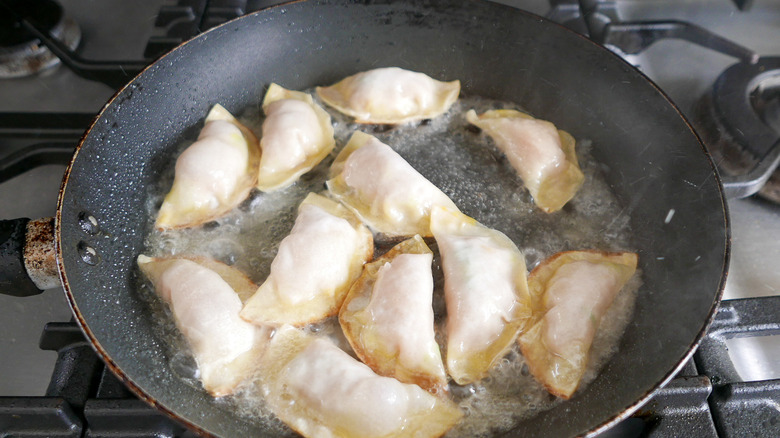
114	30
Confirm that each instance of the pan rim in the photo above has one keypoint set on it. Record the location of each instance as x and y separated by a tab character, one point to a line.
78	315
142	394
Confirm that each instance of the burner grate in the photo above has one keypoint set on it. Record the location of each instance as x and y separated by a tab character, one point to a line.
731	398
706	399
680	405
180	20
84	399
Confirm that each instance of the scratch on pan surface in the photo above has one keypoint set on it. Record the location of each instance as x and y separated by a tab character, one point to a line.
616	217
547	82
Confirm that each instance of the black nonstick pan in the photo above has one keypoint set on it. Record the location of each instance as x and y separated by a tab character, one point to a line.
652	159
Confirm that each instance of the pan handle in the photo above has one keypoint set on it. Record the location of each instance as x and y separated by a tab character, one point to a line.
27	257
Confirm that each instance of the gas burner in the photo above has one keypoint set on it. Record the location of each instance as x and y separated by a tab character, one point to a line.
740	120
21	53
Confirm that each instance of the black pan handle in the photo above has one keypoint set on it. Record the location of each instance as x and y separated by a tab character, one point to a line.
27	257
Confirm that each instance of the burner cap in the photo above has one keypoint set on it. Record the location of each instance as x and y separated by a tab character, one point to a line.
740	119
765	99
737	99
21	52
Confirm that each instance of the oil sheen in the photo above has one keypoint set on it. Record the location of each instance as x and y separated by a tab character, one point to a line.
465	164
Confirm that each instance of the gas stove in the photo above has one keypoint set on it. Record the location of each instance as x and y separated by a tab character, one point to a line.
53	384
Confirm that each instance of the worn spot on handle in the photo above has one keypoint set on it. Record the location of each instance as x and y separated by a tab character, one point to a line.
39	254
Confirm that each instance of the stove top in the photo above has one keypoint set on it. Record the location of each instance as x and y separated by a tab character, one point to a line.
731	388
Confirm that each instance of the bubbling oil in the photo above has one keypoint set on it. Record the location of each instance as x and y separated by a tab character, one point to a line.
465	165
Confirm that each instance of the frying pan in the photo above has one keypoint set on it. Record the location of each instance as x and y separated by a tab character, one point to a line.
652	159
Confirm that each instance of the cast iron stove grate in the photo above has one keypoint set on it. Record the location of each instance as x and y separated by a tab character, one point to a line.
706	399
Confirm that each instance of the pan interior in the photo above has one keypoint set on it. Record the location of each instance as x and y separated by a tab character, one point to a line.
656	166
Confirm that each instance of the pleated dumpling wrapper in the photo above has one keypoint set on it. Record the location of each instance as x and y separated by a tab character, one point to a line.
572	291
485	291
390	95
213	175
388	194
320	391
542	155
297	135
314	267
388	317
205	297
